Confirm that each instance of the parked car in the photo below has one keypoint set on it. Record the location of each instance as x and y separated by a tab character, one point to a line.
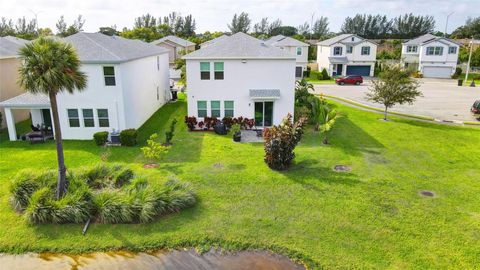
350	79
476	109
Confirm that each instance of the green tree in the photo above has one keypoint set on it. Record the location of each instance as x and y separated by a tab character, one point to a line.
6	27
261	28
189	26
395	86
410	26
50	67
26	29
64	31
240	23
469	30
109	30
320	27
287	31
367	26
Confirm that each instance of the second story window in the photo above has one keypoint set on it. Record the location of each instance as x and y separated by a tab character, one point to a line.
205	70
349	49
218	68
109	74
299	51
366	50
337	51
434	50
411	49
452	50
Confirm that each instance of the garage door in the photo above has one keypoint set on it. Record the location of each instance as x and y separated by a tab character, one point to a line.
437	72
358	70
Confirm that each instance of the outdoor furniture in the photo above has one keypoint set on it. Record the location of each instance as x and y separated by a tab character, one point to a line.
39	134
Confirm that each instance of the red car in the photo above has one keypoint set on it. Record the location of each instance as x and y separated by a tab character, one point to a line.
476	109
350	79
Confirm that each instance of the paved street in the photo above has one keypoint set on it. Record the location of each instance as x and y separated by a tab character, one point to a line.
442	98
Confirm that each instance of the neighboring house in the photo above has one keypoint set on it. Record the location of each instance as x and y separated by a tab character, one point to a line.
175	46
206	43
434	57
9	64
127	81
241	76
347	54
295	47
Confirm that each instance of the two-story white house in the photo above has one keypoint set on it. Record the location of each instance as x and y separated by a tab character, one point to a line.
347	54
295	47
127	81
434	57
243	76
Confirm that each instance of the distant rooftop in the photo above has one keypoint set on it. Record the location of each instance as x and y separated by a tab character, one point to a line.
427	38
176	40
239	46
213	40
9	46
283	41
100	48
334	40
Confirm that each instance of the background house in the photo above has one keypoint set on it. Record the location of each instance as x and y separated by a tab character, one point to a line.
295	47
127	81
241	76
206	43
347	54
434	57
174	45
9	65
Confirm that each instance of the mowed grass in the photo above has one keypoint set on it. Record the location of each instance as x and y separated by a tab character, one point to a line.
370	217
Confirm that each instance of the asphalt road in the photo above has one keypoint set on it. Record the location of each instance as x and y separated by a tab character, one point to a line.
442	98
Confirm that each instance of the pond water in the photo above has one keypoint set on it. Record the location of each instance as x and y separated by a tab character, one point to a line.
166	260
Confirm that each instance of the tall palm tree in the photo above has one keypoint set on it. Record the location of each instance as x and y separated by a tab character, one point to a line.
50	66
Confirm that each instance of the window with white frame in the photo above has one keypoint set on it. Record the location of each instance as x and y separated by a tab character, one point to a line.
88	120
215	108
228	108
337	50
205	70
434	50
299	51
202	108
218	70
365	50
452	50
349	49
103	120
73	119
109	75
411	49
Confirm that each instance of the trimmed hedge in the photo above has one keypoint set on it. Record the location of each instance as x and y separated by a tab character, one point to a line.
128	137
100	138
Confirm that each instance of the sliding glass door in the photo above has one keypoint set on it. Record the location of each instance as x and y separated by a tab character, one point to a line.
264	113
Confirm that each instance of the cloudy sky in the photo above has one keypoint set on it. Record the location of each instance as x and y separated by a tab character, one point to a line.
213	15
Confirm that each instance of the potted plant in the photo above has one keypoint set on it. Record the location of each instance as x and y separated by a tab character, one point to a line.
237	135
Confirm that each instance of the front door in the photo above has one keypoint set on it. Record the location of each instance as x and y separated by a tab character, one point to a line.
264	113
47	119
339	69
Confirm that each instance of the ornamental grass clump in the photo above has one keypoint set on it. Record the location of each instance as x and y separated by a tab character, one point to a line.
280	141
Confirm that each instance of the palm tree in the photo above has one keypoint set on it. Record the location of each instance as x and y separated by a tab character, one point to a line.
323	115
50	66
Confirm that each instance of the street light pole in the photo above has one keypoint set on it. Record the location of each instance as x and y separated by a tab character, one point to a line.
469	59
311	26
446	24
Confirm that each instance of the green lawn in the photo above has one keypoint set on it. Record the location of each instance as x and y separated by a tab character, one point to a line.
316	81
371	217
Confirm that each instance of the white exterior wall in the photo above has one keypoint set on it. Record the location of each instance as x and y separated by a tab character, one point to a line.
444	60
323	52
239	78
140	79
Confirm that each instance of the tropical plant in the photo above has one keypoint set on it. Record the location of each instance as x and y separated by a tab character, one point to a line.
393	87
50	67
280	141
171	131
154	149
191	122
324	116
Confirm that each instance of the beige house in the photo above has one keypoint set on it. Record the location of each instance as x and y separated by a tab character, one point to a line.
9	65
175	45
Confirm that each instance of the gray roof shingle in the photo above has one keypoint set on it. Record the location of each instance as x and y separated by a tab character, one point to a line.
333	40
9	46
100	48
425	39
27	100
283	41
239	46
206	43
174	39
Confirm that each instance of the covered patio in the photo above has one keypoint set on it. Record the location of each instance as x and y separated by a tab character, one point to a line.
39	106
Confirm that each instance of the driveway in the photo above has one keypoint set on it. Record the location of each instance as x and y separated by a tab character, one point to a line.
442	98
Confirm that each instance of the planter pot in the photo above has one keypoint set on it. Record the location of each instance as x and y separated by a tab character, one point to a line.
237	137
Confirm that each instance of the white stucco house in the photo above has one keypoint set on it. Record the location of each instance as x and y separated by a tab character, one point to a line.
241	76
434	57
175	45
127	81
347	54
295	47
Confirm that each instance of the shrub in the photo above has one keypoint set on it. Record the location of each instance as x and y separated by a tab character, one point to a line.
128	137
228	121
75	207
154	149
301	111
235	128
40	208
325	75
112	207
458	72
280	141
123	177
100	138
26	183
169	134
316	75
191	122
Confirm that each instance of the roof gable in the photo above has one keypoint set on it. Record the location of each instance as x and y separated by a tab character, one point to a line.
428	38
283	41
179	41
